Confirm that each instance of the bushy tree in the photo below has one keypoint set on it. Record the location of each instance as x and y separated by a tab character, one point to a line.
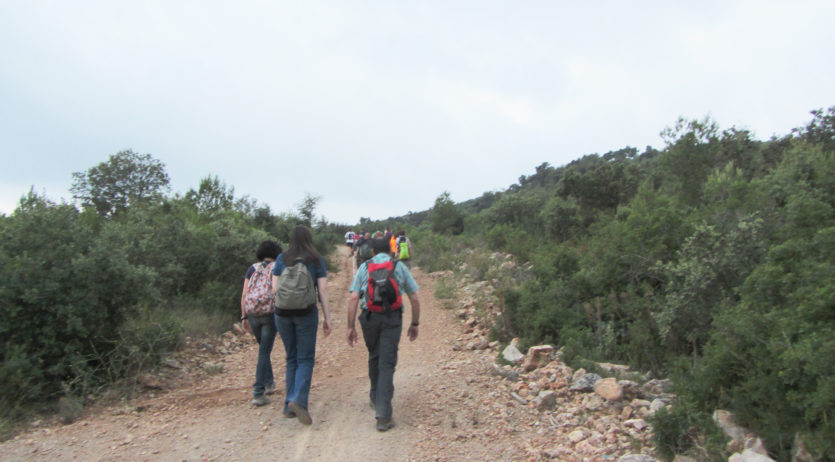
821	130
446	218
126	179
307	209
704	279
64	294
214	196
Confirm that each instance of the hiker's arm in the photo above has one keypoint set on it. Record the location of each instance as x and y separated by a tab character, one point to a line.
275	285
244	323
323	296
243	296
353	302
413	329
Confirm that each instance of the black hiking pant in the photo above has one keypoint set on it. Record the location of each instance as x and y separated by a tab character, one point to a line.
382	338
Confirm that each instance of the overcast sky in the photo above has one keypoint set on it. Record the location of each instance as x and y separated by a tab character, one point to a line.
379	107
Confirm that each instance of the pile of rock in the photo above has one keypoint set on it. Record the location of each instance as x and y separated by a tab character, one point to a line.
585	416
588	411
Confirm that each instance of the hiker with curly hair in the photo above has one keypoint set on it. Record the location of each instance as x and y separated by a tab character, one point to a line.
257	316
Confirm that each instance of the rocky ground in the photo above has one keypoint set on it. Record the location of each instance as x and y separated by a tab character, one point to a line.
453	402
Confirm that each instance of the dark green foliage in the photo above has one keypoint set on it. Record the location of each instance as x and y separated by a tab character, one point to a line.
94	296
512	239
306	209
601	182
213	196
431	251
684	430
562	219
777	346
712	261
64	293
703	281
516	209
446	218
821	130
125	180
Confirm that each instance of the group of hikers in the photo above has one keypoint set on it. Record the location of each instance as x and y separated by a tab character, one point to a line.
282	291
400	247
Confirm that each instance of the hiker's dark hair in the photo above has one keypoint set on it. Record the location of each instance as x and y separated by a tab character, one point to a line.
401	233
380	245
268	249
301	246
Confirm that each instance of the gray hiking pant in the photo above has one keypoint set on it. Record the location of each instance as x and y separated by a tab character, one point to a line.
382	338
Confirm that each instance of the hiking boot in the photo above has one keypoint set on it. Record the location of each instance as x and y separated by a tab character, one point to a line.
384	424
288	414
260	400
301	413
269	389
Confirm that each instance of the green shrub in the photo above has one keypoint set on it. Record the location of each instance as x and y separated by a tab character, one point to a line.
446	289
22	380
685	431
432	252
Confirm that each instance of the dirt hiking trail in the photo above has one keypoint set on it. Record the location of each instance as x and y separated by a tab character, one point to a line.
447	406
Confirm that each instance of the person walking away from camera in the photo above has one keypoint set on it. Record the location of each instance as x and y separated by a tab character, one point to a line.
300	270
357	239
364	249
381	320
257	316
350	236
392	245
404	249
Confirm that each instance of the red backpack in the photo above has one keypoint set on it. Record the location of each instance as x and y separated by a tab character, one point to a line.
383	291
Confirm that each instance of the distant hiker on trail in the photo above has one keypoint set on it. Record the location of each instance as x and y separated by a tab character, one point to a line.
257	316
350	236
380	283
404	249
363	249
360	235
298	272
393	246
388	233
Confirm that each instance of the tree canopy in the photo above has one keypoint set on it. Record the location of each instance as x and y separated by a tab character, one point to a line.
126	179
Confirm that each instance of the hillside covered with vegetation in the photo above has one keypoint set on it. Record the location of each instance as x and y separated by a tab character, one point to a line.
710	261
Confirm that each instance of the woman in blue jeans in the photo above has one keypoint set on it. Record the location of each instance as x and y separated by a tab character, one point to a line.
297	328
261	323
